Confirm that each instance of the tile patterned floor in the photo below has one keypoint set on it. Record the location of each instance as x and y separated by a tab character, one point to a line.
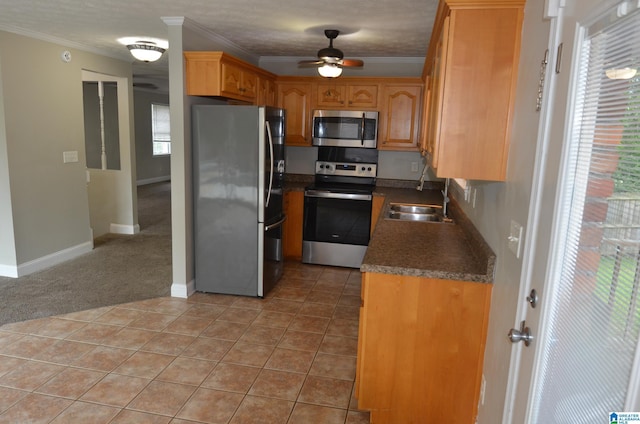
289	358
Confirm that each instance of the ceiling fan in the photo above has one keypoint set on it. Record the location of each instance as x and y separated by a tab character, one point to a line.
331	60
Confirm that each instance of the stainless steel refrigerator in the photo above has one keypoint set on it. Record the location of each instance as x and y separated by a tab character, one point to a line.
238	175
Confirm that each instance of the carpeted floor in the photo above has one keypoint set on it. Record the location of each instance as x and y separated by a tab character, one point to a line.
120	269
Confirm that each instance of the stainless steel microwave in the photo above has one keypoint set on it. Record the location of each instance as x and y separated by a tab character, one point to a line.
345	128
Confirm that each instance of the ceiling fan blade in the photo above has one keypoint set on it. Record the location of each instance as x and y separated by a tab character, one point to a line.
351	62
310	63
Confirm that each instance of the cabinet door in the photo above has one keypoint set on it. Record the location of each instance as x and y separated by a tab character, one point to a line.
249	85
231	79
330	95
295	98
292	231
436	88
266	95
363	96
398	127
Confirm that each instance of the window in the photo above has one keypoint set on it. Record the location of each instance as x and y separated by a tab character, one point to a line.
160	129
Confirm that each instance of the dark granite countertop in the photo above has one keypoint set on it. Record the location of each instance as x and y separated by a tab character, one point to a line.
450	251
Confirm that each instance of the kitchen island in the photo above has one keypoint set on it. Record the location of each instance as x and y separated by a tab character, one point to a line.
424	310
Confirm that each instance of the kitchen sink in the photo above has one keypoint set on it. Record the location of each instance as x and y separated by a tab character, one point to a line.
416	212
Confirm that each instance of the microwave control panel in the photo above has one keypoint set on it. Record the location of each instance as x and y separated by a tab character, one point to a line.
346	169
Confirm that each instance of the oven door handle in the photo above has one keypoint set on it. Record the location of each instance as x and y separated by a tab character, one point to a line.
362	129
330	195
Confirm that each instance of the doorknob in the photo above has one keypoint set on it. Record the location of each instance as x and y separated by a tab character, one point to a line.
522	335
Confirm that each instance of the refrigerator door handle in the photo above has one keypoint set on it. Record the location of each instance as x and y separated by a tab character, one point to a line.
275	224
266	123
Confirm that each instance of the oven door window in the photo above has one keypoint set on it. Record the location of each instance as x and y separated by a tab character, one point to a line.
345	221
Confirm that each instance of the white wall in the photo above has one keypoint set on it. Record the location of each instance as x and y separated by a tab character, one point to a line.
149	168
43	115
8	260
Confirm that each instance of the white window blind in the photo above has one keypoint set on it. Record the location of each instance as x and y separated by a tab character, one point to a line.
161	129
594	319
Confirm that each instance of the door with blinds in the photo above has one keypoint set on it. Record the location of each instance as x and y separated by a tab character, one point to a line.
583	362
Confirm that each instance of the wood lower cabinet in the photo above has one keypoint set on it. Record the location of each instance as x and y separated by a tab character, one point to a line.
295	98
420	348
292	229
400	116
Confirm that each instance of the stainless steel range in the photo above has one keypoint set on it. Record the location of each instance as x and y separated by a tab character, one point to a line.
337	206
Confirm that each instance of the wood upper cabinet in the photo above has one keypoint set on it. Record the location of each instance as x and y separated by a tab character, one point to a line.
218	74
421	347
266	91
346	95
400	116
472	89
295	98
292	229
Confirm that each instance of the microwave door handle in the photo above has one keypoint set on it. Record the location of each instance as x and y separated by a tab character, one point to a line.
266	124
362	130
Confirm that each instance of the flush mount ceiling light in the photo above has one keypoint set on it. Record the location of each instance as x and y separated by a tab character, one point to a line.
145	51
622	73
330	70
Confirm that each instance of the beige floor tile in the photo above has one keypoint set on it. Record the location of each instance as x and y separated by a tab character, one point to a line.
205	311
55	327
71	383
326	391
295	283
248	354
82	412
189	325
211	406
35	409
115	390
231	377
152	321
347	312
135	417
335	274
168	343
338	345
318	310
65	352
324	297
119	316
248	302
9	396
30	375
162	398
206	348
86	316
330	286
258	410
187	371
144	364
242	315
274	319
305	272
307	414
262	335
103	358
6	338
300	340
349	300
168	305
129	338
225	330
282	305
8	363
358	417
290	360
285	293
212	298
277	384
25	327
343	327
94	333
27	346
309	323
334	366
352	290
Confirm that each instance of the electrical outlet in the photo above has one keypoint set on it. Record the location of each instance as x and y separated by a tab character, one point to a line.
515	238
71	156
414	166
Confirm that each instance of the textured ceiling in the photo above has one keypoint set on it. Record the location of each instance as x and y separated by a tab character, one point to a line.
292	28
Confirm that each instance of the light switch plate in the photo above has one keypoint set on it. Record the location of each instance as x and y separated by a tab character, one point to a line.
515	238
71	156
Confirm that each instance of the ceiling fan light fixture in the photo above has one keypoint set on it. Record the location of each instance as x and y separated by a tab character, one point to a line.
145	51
329	70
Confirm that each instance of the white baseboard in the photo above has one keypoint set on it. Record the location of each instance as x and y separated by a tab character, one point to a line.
153	180
46	261
183	290
124	229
